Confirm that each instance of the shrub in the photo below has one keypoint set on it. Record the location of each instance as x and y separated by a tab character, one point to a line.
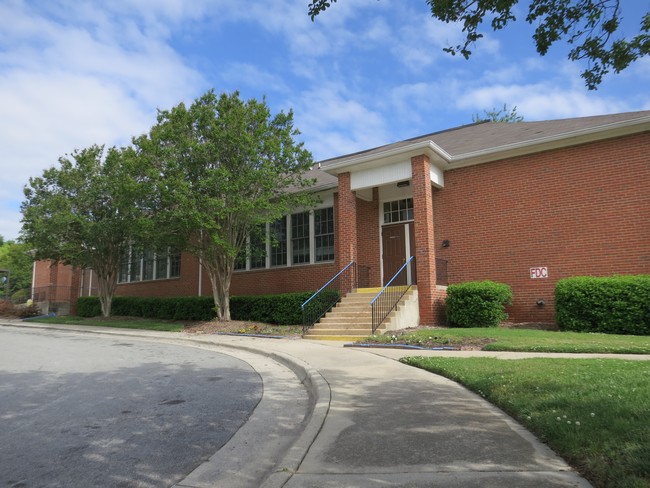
26	311
612	305
88	307
7	309
477	304
281	309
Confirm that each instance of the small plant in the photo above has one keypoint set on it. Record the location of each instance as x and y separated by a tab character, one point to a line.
477	304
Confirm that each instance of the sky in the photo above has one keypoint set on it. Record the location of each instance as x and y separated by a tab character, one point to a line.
74	73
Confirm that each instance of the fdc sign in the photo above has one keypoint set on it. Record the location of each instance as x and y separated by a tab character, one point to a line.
539	272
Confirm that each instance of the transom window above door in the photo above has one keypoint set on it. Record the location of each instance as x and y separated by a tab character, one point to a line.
398	211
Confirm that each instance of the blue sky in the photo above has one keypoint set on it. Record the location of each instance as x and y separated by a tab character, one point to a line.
367	72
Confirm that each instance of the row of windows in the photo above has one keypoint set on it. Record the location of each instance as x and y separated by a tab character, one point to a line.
300	238
149	265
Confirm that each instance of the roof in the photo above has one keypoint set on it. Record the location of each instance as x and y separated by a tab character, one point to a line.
485	137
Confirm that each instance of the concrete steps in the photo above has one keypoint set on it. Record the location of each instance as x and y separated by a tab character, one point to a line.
351	319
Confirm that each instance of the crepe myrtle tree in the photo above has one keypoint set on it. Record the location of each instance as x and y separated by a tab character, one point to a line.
83	213
222	167
589	27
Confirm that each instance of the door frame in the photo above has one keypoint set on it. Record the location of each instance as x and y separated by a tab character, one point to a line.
409	248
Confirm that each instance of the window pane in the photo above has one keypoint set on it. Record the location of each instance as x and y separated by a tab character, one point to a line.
258	248
148	265
174	264
161	265
300	238
136	265
398	211
324	234
279	242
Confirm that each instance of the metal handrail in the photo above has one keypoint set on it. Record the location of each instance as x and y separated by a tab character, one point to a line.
387	299
328	295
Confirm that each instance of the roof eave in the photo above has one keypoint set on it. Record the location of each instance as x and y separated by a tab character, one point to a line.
566	139
436	155
439	156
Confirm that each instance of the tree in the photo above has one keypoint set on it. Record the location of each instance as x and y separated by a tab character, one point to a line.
588	26
501	115
15	258
83	213
223	167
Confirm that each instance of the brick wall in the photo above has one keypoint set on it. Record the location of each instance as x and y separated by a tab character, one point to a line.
583	210
368	241
309	277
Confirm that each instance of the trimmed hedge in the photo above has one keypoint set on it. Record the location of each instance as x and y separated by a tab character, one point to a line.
283	309
88	307
612	305
477	303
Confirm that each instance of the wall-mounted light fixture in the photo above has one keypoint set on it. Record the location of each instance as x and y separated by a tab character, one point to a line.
540	302
402	184
445	243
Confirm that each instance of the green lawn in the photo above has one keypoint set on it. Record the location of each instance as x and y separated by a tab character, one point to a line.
595	413
522	340
121	323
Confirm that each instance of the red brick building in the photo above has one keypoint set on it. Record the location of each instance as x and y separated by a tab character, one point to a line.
524	203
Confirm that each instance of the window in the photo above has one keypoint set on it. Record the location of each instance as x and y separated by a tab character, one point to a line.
136	266
398	211
279	242
149	265
300	238
174	264
161	265
258	248
324	234
308	237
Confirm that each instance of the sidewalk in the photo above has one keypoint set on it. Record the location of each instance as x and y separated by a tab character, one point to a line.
377	422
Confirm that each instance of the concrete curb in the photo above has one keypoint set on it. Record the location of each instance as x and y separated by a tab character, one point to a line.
317	388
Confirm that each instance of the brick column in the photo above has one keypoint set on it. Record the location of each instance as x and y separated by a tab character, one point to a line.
346	222
425	259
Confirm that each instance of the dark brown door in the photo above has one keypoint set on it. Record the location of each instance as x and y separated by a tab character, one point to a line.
394	249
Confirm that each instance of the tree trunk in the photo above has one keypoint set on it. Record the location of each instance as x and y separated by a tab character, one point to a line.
220	281
106	283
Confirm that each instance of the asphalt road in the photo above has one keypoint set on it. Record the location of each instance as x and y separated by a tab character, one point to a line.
84	410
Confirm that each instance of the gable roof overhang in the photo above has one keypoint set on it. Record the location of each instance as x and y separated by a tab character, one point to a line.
391	163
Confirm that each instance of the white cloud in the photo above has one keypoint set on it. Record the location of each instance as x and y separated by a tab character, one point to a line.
540	101
333	123
65	86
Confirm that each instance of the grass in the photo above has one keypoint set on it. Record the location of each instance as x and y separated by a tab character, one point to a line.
595	413
119	322
522	340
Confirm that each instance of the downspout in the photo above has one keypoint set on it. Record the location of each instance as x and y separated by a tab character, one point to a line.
201	266
33	279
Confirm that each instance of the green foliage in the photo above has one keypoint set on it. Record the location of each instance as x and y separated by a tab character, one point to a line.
88	307
15	257
502	115
224	166
613	305
592	412
477	304
281	309
83	213
589	27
